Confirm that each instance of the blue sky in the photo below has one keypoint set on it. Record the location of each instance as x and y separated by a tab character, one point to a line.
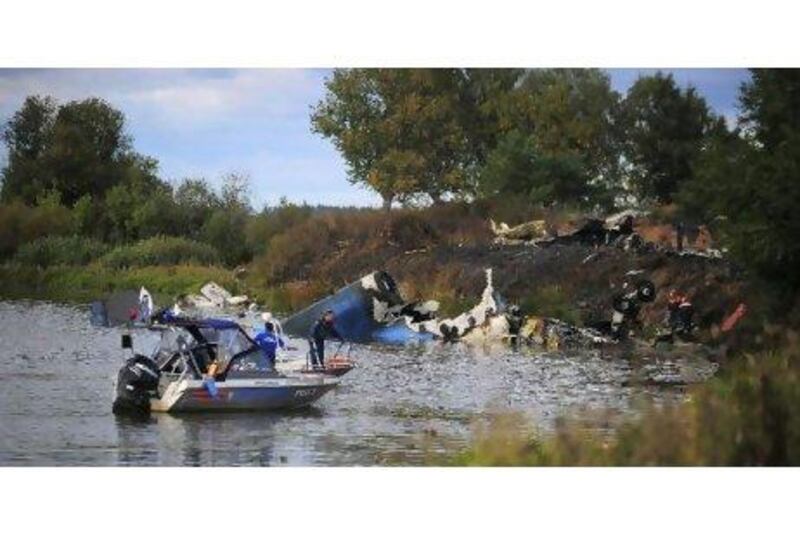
204	123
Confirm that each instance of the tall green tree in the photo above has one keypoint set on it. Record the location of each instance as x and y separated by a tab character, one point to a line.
516	167
573	113
665	130
28	136
89	149
771	106
399	130
77	149
747	185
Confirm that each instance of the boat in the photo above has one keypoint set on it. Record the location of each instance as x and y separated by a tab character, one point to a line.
209	364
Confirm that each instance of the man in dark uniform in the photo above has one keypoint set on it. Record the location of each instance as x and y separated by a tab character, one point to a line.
322	329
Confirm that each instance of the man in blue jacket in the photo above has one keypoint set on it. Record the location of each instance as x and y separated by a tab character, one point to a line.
321	330
269	341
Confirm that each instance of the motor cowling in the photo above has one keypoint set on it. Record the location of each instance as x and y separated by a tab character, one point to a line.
137	383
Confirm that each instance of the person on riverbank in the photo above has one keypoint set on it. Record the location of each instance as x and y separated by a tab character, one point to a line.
269	342
323	329
678	322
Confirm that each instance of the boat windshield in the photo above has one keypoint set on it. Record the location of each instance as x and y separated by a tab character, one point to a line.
229	342
173	340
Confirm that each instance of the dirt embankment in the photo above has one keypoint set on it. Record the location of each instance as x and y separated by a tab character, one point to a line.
442	253
578	279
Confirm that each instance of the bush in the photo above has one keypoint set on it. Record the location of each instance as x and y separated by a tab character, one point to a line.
551	301
161	251
225	231
58	250
20	223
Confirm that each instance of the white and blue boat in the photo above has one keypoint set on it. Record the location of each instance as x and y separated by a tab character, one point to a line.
210	365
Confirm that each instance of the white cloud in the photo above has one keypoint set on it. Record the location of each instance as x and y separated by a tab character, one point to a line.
171	96
270	93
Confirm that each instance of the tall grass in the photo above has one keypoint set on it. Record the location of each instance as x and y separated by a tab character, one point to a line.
161	251
747	416
60	250
86	283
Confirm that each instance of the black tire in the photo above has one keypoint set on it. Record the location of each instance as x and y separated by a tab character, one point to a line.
621	304
646	291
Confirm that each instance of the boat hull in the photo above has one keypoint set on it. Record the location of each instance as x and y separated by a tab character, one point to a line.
243	394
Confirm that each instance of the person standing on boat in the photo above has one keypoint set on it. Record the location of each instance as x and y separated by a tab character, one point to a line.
269	342
323	329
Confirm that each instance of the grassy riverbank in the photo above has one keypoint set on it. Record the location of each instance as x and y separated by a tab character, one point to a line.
746	416
81	284
437	253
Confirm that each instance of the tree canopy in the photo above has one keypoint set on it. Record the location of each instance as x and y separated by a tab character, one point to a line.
76	149
665	129
747	184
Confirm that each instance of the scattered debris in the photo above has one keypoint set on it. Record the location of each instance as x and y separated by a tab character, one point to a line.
535	229
211	297
616	230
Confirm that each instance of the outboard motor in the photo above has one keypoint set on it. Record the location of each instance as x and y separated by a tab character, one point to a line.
137	382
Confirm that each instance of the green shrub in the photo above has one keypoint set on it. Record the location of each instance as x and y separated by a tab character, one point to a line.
161	251
551	301
58	250
747	416
20	223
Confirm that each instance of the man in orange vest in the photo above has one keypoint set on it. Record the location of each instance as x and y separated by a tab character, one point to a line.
679	317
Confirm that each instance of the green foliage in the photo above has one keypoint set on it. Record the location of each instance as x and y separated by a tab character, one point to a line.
401	131
770	106
551	301
195	202
262	227
161	250
514	168
20	223
225	231
746	417
60	250
572	115
88	283
406	133
28	137
746	187
665	130
77	149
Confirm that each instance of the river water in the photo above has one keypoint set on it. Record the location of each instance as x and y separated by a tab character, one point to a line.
401	405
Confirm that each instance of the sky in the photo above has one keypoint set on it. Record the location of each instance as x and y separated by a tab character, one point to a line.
205	123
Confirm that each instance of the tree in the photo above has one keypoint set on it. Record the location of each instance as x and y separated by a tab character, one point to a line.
572	113
491	107
771	106
747	184
195	202
77	149
28	137
89	149
665	129
516	168
401	131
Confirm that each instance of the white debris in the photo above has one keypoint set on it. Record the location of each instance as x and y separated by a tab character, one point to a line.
237	300
214	297
214	293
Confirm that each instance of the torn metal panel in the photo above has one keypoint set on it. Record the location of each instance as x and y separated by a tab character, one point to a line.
372	310
361	308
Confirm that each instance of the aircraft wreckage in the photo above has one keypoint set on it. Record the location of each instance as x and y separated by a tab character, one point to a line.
372	310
